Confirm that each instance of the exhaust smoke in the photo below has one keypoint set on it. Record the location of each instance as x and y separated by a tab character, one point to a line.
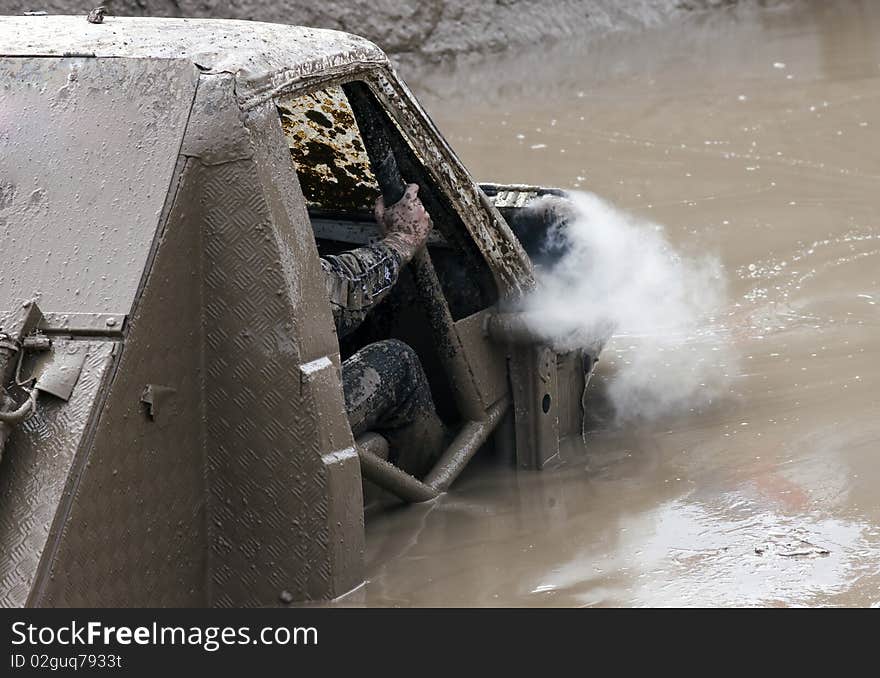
608	273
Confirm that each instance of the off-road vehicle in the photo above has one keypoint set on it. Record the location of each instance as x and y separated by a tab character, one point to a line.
172	422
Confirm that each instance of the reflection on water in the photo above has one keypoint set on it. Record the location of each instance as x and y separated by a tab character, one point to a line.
751	134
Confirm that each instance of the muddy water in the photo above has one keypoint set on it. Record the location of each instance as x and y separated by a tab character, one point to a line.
754	135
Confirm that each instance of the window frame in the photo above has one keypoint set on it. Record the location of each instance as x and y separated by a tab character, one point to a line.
486	228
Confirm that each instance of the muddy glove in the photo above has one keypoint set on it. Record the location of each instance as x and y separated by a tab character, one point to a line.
406	223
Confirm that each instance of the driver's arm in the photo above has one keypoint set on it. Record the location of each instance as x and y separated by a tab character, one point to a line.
358	280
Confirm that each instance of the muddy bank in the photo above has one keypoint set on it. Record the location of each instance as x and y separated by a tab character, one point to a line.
416	30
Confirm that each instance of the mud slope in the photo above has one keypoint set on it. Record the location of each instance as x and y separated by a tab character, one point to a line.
415	28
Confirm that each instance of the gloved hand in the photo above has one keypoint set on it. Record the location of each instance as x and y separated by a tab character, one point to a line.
406	223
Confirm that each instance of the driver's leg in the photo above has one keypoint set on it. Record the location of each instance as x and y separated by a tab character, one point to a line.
386	391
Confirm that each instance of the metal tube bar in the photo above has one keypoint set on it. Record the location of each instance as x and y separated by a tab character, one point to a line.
464	447
449	346
371	449
519	329
512	328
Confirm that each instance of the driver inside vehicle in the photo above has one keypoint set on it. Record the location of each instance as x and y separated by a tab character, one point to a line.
384	383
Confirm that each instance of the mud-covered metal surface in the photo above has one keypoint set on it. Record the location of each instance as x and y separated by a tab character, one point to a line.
37	467
272	518
327	151
269	61
216	466
265	58
87	151
134	525
243	485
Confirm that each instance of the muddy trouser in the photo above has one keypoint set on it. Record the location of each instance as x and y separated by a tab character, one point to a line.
386	391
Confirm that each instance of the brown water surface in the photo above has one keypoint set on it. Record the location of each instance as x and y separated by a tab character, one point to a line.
752	134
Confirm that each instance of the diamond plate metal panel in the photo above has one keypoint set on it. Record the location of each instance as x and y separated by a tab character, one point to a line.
36	468
268	497
281	487
135	532
240	481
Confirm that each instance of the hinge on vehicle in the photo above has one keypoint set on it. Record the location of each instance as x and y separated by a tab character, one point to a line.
92	324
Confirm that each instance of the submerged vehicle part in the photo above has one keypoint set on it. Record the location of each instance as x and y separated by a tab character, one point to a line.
191	444
373	451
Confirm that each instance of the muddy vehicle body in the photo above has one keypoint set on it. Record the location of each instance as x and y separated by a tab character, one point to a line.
166	190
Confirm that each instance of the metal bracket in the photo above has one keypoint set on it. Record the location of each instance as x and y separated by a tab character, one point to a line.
372	450
534	378
106	324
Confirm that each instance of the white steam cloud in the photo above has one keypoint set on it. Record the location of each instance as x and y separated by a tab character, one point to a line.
620	275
